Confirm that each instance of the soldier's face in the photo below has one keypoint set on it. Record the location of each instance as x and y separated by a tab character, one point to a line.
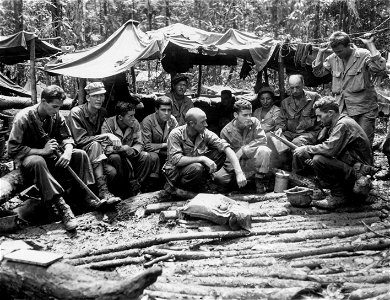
325	118
266	100
296	88
51	108
180	88
341	51
96	101
200	124
243	117
128	119
164	112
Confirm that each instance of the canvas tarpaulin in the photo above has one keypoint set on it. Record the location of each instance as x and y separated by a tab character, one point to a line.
123	49
16	48
8	86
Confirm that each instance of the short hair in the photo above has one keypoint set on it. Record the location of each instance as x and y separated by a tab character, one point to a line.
190	114
339	38
300	76
122	108
326	103
52	92
226	92
163	100
241	104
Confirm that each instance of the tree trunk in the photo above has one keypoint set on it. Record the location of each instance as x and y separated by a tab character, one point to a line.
18	15
63	281
56	16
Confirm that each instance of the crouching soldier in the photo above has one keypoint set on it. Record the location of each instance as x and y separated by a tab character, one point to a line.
40	132
128	162
248	141
194	153
342	159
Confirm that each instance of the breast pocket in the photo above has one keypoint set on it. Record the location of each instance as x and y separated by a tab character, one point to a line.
336	82
355	80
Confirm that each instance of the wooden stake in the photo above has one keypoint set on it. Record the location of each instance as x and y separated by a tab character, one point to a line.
32	72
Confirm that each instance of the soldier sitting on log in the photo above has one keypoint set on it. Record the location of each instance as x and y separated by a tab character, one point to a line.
180	102
128	162
156	127
343	158
268	113
38	136
248	140
297	120
85	123
194	153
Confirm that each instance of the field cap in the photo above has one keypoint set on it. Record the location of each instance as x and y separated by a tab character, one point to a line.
266	89
95	88
179	77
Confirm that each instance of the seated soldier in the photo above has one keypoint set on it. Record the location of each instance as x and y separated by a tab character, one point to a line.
85	123
180	102
225	109
268	113
194	153
156	128
342	158
128	162
297	119
248	141
38	133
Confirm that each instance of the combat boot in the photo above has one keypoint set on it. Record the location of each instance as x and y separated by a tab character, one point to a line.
65	212
330	202
93	202
261	184
104	193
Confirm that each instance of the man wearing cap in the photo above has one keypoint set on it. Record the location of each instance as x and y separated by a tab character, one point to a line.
38	132
351	70
180	102
128	162
157	126
195	153
85	123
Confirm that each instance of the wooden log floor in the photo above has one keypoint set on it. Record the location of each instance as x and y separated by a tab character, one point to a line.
290	253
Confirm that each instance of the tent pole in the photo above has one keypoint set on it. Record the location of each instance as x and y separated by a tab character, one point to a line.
132	70
199	81
266	76
281	73
82	82
32	72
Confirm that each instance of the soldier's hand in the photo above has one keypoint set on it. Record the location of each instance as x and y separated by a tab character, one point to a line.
367	38
301	151
114	139
324	47
50	147
128	150
309	162
241	179
151	147
210	164
64	160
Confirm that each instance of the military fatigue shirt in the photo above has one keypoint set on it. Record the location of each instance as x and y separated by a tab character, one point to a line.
268	123
85	127
249	140
179	145
180	112
152	133
347	142
351	84
23	136
298	119
131	137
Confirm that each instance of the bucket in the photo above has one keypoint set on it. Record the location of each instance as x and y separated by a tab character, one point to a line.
281	182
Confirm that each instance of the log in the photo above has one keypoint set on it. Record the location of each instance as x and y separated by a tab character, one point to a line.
350	277
169	295
370	293
246	282
158	259
63	281
168	215
257	198
8	102
114	263
165	238
158	207
228	293
109	256
10	184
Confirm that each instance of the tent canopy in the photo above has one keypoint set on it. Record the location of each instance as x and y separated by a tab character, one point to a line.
16	48
123	49
8	86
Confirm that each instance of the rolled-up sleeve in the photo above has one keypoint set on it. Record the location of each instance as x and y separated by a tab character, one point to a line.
16	149
376	63
175	150
322	69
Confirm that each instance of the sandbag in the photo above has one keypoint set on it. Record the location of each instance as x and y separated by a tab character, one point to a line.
219	209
